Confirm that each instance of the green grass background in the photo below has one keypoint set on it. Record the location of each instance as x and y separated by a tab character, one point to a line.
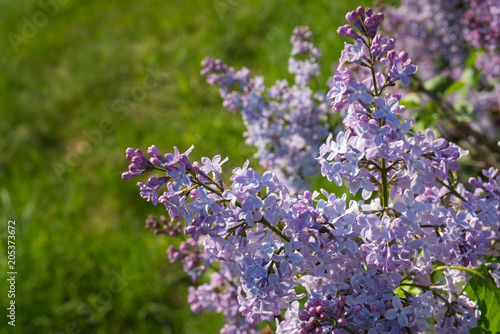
77	222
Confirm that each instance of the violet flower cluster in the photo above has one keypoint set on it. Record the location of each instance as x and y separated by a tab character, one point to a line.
286	123
461	39
482	30
322	263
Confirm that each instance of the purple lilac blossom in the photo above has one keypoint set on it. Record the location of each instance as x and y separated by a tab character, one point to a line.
456	38
354	259
286	123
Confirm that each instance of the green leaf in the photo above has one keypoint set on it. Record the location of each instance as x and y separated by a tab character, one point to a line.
411	100
454	87
471	59
425	116
468	75
489	258
464	111
409	104
477	77
482	289
439	83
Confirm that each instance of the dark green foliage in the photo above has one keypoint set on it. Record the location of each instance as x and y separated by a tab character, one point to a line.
482	288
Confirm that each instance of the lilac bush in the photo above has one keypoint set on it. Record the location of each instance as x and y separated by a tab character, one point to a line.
393	255
457	44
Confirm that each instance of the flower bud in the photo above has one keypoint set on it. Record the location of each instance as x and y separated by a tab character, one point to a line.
369	22
185	160
130	152
403	55
391	55
357	308
351	33
313	320
153	151
137	160
473	182
133	168
379	18
375	50
303	315
153	181
388	304
184	246
155	161
338	105
196	167
342	31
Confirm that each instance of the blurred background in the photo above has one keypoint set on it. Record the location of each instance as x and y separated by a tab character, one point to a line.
80	81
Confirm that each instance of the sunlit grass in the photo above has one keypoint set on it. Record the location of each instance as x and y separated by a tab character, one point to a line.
77	221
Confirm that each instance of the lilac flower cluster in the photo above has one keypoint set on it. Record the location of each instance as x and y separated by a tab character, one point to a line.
457	38
441	34
365	265
482	31
220	295
169	228
286	123
432	33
